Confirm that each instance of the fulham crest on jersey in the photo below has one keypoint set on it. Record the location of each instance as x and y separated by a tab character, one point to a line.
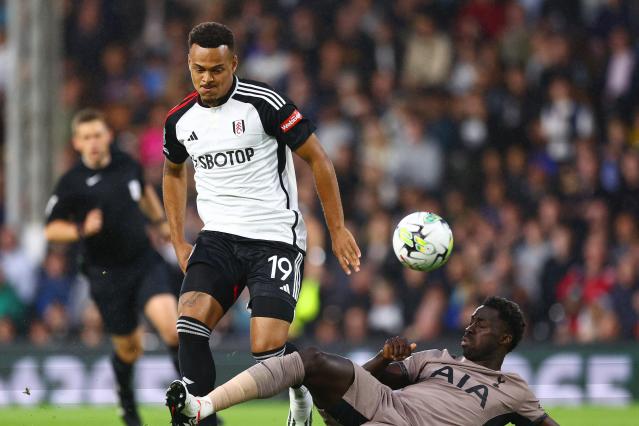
238	127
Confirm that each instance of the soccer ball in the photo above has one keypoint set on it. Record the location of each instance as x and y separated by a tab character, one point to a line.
423	241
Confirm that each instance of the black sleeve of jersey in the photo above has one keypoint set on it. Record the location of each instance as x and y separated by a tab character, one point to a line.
139	173
291	127
61	205
173	149
281	118
130	163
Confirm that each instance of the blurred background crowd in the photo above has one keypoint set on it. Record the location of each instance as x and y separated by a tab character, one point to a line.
517	121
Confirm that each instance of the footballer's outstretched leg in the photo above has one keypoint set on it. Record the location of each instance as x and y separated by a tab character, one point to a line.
327	376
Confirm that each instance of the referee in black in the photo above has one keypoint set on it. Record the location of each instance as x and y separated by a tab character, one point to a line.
104	204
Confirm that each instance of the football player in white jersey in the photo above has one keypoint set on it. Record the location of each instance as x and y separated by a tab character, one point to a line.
240	135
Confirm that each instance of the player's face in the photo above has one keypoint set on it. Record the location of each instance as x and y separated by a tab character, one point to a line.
212	71
484	335
92	140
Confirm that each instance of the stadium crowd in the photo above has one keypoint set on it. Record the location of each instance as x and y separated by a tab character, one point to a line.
517	121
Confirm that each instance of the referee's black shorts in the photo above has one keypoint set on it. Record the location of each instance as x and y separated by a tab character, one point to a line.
121	292
223	264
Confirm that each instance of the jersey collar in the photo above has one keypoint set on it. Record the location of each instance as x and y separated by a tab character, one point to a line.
224	99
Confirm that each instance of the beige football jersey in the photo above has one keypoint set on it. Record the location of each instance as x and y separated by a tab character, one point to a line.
456	391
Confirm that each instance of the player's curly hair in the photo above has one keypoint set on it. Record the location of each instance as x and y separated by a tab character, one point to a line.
510	313
211	34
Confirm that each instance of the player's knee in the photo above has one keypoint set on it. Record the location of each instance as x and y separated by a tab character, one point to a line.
129	350
200	306
169	336
314	361
129	353
266	343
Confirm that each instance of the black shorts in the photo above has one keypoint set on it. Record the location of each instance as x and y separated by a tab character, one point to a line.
223	264
122	291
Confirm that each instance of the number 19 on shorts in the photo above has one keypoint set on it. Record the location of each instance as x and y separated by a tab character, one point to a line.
287	273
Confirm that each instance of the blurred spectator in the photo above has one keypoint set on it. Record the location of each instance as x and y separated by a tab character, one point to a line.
19	268
54	286
266	61
563	119
555	268
91	333
628	196
385	314
622	73
356	325
625	297
529	260
515	42
11	309
428	54
416	159
489	14
582	289
39	334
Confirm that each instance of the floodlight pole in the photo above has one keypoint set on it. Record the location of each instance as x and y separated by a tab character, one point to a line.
31	104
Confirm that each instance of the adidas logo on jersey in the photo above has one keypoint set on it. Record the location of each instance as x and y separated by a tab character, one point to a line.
193	137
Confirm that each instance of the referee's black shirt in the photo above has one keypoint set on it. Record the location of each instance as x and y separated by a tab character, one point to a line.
116	190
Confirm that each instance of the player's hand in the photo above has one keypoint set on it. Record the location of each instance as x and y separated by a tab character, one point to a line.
346	250
164	231
92	222
397	349
183	252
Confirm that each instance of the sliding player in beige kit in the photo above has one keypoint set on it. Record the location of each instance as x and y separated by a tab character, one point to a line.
398	387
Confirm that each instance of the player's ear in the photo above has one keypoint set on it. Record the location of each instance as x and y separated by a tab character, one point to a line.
234	63
506	339
75	141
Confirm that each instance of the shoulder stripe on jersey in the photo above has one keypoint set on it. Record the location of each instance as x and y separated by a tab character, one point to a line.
263	93
254	95
263	89
185	101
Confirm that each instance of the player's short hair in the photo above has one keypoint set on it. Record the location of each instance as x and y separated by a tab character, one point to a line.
510	313
85	116
211	35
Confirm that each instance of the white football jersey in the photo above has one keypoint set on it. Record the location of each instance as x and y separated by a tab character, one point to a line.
242	154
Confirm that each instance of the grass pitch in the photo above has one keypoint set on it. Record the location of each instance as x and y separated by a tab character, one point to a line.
268	413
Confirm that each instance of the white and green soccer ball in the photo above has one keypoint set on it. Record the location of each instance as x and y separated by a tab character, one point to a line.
423	241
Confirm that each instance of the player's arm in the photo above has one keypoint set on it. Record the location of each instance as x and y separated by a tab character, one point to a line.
530	412
344	246
152	208
65	231
548	422
385	366
61	213
174	195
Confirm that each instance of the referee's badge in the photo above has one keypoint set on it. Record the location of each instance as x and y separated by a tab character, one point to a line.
238	127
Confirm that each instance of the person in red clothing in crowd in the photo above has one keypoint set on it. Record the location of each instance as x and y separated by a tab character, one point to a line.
581	289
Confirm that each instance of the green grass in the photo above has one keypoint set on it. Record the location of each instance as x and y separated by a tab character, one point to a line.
268	413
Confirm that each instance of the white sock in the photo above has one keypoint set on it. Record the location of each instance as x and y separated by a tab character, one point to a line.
198	407
206	407
301	403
